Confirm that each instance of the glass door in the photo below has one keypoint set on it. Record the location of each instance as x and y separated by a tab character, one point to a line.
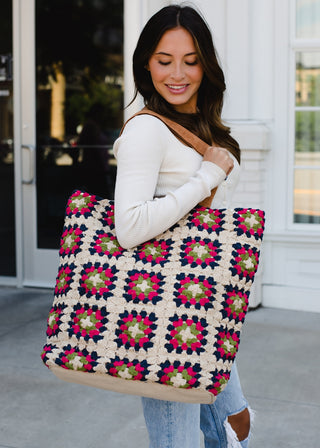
72	91
7	221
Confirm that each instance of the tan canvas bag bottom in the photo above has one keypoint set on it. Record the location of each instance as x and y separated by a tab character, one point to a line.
144	389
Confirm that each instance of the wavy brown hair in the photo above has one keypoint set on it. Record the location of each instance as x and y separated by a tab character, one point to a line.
206	123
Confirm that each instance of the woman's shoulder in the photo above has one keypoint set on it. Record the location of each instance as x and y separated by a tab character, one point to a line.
141	131
144	123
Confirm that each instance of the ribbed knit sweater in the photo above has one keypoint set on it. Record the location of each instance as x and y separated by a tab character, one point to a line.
159	180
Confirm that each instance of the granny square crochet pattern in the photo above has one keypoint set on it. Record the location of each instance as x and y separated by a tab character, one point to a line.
161	320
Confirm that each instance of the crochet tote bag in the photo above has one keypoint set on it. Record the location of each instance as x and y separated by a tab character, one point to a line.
161	320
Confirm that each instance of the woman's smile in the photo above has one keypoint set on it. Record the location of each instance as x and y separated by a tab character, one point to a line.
176	71
176	89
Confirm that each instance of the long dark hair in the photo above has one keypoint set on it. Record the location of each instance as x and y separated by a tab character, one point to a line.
207	122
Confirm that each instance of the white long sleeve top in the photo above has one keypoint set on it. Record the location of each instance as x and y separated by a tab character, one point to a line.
159	180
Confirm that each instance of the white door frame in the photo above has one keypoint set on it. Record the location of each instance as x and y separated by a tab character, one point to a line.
35	267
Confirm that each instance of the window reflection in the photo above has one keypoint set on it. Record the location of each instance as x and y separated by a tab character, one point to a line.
307	19
79	104
307	168
308	78
307	196
307	132
7	222
307	136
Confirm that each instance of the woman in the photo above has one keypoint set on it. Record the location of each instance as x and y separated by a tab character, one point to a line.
159	180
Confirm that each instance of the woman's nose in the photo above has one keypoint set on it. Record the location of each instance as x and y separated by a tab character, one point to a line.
178	72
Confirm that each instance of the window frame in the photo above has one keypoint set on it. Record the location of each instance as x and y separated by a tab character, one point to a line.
296	45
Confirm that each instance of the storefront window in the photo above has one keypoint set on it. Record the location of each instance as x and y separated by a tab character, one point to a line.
307	113
7	222
79	60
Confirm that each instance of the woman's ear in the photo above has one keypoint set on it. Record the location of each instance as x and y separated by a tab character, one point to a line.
147	67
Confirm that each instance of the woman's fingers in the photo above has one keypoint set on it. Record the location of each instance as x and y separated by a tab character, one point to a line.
219	156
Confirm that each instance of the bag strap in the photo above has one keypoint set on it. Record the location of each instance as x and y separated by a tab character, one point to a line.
183	134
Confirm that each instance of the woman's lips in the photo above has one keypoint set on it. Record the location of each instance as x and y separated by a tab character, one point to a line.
177	89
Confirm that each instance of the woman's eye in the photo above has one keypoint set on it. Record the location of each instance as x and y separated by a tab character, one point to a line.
192	62
163	63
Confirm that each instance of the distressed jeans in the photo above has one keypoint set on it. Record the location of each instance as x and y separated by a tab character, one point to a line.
177	425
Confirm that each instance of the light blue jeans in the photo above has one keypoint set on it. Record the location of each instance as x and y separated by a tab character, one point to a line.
177	425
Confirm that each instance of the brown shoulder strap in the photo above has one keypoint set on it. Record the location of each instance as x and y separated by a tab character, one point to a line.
185	135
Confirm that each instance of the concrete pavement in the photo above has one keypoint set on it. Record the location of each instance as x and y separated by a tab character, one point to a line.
278	362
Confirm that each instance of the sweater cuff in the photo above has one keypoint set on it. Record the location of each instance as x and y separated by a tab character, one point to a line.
213	174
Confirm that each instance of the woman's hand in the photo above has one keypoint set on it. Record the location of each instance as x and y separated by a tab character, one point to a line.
219	156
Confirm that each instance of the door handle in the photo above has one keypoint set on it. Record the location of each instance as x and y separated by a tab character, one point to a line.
28	164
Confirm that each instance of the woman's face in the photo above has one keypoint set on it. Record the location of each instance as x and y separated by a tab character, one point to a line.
176	71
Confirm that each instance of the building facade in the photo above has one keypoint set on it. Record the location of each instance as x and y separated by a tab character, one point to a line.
270	53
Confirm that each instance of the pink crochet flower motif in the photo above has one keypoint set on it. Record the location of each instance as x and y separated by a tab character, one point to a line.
144	287
246	260
207	218
46	351
251	221
97	279
200	252
136	330
53	320
105	244
64	279
228	344
80	203
220	381
71	240
88	322
128	370
154	252
237	304
186	334
108	215
72	359
183	376
193	290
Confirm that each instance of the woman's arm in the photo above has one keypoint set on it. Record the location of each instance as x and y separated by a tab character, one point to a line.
144	155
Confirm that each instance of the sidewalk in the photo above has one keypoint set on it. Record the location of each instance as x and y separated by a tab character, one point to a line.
278	362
